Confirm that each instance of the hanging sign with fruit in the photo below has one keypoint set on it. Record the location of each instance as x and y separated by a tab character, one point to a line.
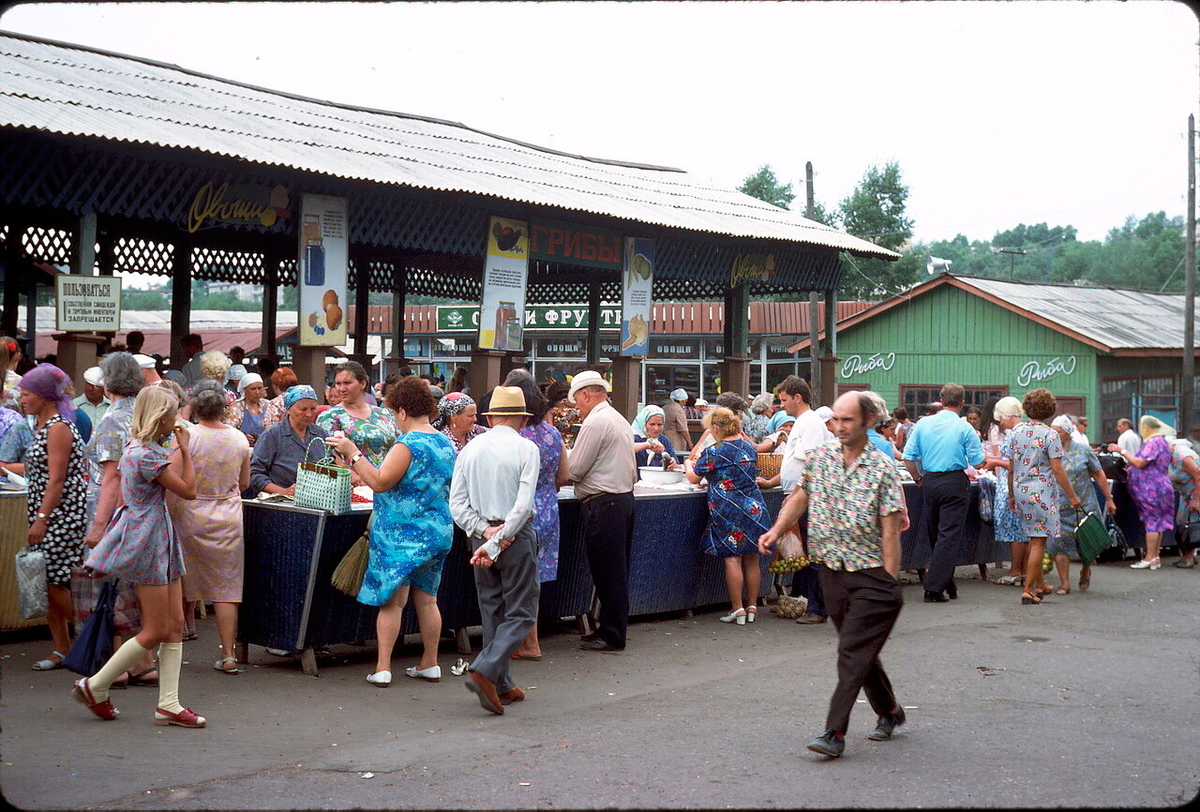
502	311
637	283
321	273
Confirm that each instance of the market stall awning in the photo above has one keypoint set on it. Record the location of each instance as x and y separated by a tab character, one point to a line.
73	90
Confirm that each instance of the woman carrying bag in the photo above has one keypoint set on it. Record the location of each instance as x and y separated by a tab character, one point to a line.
140	545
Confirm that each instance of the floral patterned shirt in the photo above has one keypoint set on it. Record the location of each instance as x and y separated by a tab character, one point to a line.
373	436
107	443
845	505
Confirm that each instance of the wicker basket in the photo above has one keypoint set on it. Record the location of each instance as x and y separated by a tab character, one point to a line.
768	464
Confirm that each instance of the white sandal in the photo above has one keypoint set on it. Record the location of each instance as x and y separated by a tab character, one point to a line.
751	614
738	617
219	665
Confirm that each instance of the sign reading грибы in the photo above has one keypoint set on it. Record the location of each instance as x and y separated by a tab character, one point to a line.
84	303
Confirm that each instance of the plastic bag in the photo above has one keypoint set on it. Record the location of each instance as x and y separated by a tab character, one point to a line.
31	582
987	496
790	544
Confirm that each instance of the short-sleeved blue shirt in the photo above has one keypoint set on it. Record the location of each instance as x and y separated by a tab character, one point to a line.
944	442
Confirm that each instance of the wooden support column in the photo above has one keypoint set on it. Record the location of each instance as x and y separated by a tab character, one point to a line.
396	360
181	298
814	345
10	258
362	301
627	384
484	372
272	256
735	368
829	359
309	365
77	351
593	330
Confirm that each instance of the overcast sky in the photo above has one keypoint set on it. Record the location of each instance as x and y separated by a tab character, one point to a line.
998	113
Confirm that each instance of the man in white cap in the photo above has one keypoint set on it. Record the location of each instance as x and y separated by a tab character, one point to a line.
675	424
149	368
491	499
92	401
603	470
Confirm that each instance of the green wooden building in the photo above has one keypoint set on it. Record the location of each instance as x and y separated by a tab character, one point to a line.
1104	352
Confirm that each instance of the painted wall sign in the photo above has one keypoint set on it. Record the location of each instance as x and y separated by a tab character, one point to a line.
324	252
1039	371
85	303
638	281
222	204
552	241
751	268
465	318
502	311
857	365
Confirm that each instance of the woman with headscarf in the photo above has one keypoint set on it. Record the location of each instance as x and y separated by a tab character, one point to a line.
675	421
1184	472
247	413
281	448
1150	485
1006	524
55	470
456	419
650	445
1082	467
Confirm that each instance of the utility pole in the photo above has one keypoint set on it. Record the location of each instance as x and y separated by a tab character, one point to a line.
1187	390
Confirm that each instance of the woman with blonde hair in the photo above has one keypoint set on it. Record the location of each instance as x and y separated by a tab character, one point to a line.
737	513
140	545
1150	485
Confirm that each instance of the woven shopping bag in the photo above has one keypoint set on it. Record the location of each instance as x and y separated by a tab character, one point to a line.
1091	537
322	485
31	582
348	576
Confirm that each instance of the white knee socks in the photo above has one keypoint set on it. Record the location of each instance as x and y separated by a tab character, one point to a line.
170	660
122	660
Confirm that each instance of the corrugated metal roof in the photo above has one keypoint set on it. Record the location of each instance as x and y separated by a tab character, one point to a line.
73	90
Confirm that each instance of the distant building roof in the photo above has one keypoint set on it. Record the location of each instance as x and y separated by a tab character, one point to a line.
1114	320
74	90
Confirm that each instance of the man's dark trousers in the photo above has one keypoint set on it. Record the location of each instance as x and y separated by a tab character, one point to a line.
947	495
608	537
806	583
863	606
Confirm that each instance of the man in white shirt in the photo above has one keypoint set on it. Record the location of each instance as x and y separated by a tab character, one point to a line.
1079	433
1129	440
491	499
92	401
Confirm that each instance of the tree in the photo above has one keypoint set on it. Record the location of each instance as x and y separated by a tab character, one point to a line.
875	211
765	186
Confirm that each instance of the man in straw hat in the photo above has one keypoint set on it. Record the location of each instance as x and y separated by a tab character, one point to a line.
491	499
603	469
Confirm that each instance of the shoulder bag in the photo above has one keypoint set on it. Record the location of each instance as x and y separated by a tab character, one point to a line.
93	645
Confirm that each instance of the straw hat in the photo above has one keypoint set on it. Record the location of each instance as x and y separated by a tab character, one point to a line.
589	377
507	401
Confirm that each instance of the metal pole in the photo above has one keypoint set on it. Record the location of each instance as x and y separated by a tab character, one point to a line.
1187	390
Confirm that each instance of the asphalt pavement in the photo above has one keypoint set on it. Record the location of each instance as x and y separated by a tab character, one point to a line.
1089	700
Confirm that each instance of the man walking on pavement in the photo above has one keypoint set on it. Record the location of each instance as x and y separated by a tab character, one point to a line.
603	470
853	495
808	432
491	499
945	446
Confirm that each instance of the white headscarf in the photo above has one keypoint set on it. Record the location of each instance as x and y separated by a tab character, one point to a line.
1064	422
647	412
248	380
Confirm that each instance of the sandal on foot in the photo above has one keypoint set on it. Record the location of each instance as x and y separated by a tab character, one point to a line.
140	678
49	664
519	656
185	718
1007	580
751	614
82	692
737	616
1029	600
1063	590
219	665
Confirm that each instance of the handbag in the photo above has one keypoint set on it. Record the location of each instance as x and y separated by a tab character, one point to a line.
31	582
349	573
323	486
1091	537
987	496
93	644
1115	536
791	608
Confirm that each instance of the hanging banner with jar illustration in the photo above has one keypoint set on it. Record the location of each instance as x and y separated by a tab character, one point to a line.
502	311
636	285
321	271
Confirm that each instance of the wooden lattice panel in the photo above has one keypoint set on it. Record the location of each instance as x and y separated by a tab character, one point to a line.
52	245
136	255
245	267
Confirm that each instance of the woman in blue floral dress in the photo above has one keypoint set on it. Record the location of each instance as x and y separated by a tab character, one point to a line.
1035	454
737	514
553	474
412	530
1006	524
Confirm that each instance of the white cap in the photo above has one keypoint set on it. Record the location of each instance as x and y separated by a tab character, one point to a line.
700	402
588	377
94	376
678	394
824	412
236	372
144	361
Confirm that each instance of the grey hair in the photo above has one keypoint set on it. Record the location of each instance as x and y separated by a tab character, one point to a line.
516	374
214	364
207	399
874	407
732	401
761	403
122	375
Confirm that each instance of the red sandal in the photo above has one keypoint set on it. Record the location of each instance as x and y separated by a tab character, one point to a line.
185	718
82	692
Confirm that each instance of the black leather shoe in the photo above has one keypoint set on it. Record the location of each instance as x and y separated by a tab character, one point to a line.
887	723
828	744
935	597
952	591
587	638
598	645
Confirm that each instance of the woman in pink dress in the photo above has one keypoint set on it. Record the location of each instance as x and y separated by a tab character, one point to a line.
210	526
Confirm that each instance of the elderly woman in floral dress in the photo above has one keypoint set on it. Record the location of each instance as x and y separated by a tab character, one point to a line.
456	419
1150	485
1082	467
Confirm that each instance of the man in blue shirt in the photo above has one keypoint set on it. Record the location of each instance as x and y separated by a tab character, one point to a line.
945	445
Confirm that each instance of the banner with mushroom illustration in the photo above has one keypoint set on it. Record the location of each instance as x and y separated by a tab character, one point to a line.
321	272
502	311
637	283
